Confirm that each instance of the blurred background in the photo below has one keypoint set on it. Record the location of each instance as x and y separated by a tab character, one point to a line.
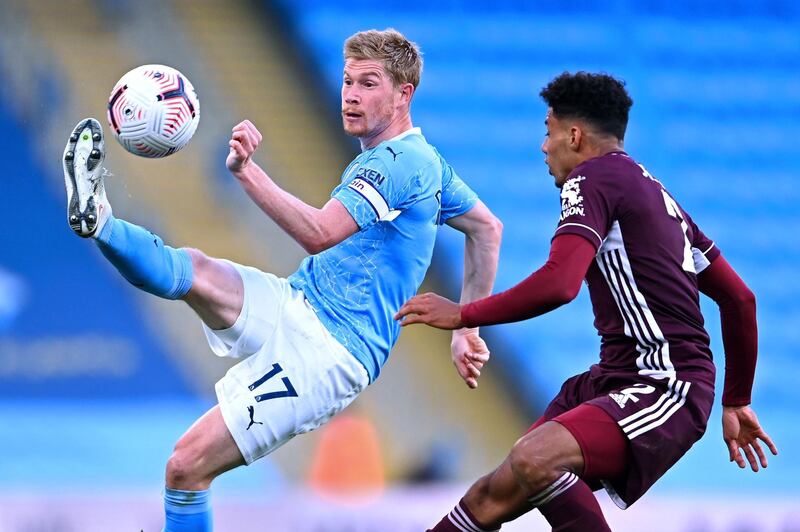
98	381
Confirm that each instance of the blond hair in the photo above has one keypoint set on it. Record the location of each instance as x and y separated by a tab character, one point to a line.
401	58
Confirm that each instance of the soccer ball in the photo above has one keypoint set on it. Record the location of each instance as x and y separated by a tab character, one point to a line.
153	111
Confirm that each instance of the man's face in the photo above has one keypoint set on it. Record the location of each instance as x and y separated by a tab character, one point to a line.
368	98
559	157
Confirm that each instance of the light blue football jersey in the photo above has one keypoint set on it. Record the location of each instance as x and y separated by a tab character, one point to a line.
398	193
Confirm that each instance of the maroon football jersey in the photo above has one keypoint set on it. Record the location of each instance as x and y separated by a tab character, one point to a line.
643	283
655	376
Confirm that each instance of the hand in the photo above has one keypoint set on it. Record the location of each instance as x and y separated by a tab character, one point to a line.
431	309
741	431
469	353
244	141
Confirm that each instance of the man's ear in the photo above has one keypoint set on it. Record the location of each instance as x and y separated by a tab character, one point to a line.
575	138
406	93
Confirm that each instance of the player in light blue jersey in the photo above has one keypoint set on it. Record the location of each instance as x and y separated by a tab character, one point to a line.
313	342
394	191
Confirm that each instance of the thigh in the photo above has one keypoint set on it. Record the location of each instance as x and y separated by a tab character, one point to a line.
217	293
263	306
542	455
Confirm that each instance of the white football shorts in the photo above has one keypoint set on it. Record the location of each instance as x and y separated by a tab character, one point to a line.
295	375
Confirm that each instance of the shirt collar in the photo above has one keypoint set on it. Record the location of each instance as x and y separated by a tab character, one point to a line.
412	131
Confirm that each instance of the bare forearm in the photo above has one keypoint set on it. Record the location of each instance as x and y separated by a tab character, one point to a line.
314	229
481	253
483	232
297	218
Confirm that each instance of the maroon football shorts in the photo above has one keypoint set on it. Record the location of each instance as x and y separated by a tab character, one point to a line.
655	422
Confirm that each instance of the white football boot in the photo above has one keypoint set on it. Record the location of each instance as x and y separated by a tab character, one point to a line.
87	206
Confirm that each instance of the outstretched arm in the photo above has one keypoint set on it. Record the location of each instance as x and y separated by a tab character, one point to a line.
549	287
314	229
483	232
737	306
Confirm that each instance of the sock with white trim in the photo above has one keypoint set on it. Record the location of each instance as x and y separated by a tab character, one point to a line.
460	520
187	511
569	505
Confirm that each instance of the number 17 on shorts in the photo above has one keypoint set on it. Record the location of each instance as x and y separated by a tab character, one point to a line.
288	392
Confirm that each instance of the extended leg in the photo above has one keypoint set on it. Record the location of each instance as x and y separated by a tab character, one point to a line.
213	288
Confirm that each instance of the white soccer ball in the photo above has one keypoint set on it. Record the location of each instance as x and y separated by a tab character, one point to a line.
153	111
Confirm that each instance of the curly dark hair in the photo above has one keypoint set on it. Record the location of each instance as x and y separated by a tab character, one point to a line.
599	99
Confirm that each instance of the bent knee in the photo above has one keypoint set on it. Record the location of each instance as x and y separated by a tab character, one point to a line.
184	471
524	465
212	275
533	470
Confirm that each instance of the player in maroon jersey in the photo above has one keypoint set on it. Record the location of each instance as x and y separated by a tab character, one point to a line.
622	424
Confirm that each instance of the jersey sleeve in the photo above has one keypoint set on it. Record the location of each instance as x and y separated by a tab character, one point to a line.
457	198
586	209
704	250
372	193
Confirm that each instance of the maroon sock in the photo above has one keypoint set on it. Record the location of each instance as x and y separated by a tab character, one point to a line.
570	506
459	520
